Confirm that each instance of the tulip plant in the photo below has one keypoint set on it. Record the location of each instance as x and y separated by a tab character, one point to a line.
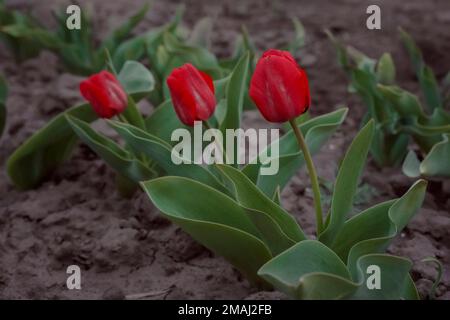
399	114
167	47
246	223
27	38
3	93
13	22
240	214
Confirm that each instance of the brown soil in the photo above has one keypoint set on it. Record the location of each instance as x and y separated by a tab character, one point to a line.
124	246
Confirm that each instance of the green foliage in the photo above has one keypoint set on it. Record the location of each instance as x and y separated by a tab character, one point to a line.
44	151
259	237
316	131
398	114
22	34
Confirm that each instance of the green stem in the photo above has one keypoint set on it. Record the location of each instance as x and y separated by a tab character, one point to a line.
312	174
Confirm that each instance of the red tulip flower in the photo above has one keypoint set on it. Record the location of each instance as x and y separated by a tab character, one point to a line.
105	94
192	93
279	87
280	90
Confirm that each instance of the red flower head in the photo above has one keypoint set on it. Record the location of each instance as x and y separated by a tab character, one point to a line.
192	93
279	87
105	93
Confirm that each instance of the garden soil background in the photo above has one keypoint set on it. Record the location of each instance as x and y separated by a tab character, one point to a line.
123	246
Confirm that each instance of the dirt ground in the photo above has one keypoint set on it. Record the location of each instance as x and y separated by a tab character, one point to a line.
125	248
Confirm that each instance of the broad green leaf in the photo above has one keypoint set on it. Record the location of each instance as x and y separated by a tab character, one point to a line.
132	49
277	196
159	151
411	165
310	270
249	196
270	231
369	224
396	284
404	102
346	182
436	163
217	221
3	94
316	131
381	226
43	152
163	121
287	271
113	154
136	79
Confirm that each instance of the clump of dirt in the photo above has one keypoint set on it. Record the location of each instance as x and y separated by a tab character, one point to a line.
124	247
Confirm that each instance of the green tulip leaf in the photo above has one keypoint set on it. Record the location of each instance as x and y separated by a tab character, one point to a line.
182	53
163	121
395	281
287	272
43	152
113	154
347	182
243	44
386	69
157	150
277	196
424	73
372	230
436	163
201	34
411	165
136	79
216	221
50	146
234	95
135	48
24	35
310	270
299	37
404	102
248	195
414	52
316	131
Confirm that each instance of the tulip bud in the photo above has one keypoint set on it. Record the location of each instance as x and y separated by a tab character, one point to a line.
105	94
279	87
192	93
